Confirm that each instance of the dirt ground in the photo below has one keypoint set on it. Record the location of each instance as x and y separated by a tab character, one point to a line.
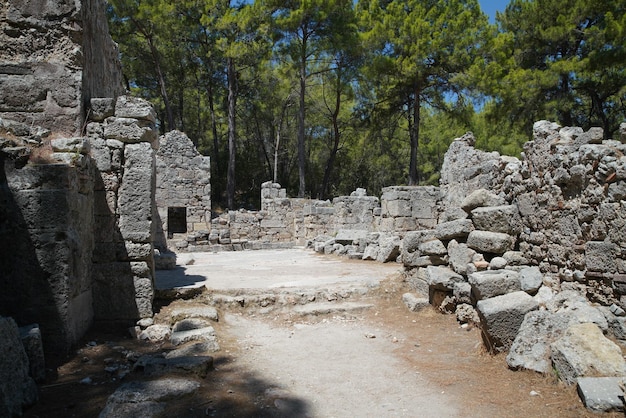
380	362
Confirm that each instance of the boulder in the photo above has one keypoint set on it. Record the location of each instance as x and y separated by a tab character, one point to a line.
388	249
501	318
433	247
505	219
531	348
490	283
481	198
601	394
415	303
459	256
413	239
201	334
459	228
194	311
490	242
530	279
497	263
350	236
584	351
155	333
442	278
371	252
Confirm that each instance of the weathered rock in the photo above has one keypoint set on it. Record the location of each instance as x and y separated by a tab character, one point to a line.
481	198
146	398
201	334
459	256
17	388
442	278
350	236
530	279
501	318
490	242
194	311
371	252
505	219
497	263
200	348
156	333
584	351
189	324
466	313
189	365
462	292
577	308
531	348
415	303
388	249
412	240
459	228
601	394
433	247
33	346
490	283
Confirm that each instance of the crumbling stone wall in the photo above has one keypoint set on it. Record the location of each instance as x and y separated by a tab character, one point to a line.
55	56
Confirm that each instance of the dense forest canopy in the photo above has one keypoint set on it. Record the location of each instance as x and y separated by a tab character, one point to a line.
324	96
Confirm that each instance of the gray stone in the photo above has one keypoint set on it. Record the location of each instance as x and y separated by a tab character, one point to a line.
531	348
530	279
33	346
462	292
501	318
200	348
349	236
601	394
459	256
584	351
156	333
189	324
465	313
505	219
371	252
415	303
194	311
498	263
201	334
17	388
134	107
388	249
146	398
490	283
490	242
412	239
433	247
459	228
189	365
515	258
481	198
442	278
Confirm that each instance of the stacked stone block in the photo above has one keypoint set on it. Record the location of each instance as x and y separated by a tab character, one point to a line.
123	141
405	208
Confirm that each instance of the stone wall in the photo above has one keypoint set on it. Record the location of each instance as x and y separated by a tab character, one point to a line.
183	189
55	56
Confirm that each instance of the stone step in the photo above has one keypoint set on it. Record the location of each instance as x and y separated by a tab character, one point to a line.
328	308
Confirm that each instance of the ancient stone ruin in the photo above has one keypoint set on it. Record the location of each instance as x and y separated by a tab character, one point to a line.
531	250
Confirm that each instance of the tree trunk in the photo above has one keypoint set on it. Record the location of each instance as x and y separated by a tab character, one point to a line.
336	139
232	146
301	117
157	67
414	132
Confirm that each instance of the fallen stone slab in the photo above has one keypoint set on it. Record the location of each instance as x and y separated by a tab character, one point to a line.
490	283
442	278
202	334
459	256
501	318
413	239
601	394
194	311
584	351
459	228
531	348
199	348
479	198
146	398
190	365
490	242
371	252
325	308
414	303
433	247
350	236
388	249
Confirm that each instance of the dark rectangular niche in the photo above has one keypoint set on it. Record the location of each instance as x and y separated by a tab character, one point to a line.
176	220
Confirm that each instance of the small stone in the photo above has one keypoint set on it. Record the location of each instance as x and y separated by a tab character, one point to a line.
616	310
370	335
534	393
86	381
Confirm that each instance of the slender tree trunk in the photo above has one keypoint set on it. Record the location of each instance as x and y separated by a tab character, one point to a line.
414	132
336	139
216	150
157	67
232	146
301	118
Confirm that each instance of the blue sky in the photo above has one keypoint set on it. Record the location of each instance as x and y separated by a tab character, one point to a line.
490	7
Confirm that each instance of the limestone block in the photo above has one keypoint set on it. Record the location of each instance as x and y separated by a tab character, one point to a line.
415	259
188	365
101	108
349	236
600	256
501	318
505	219
33	346
433	247
531	348
414	303
388	249
481	198
459	228
584	351
156	333
134	107
17	388
530	279
371	252
199	334
490	283
459	256
401	224
490	242
194	311
442	278
462	291
601	394
129	130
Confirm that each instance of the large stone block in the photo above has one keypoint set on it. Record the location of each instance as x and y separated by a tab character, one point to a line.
459	228
397	208
134	107
17	388
490	283
481	198
600	256
501	318
601	394
442	278
490	242
459	256
129	130
584	351
505	219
